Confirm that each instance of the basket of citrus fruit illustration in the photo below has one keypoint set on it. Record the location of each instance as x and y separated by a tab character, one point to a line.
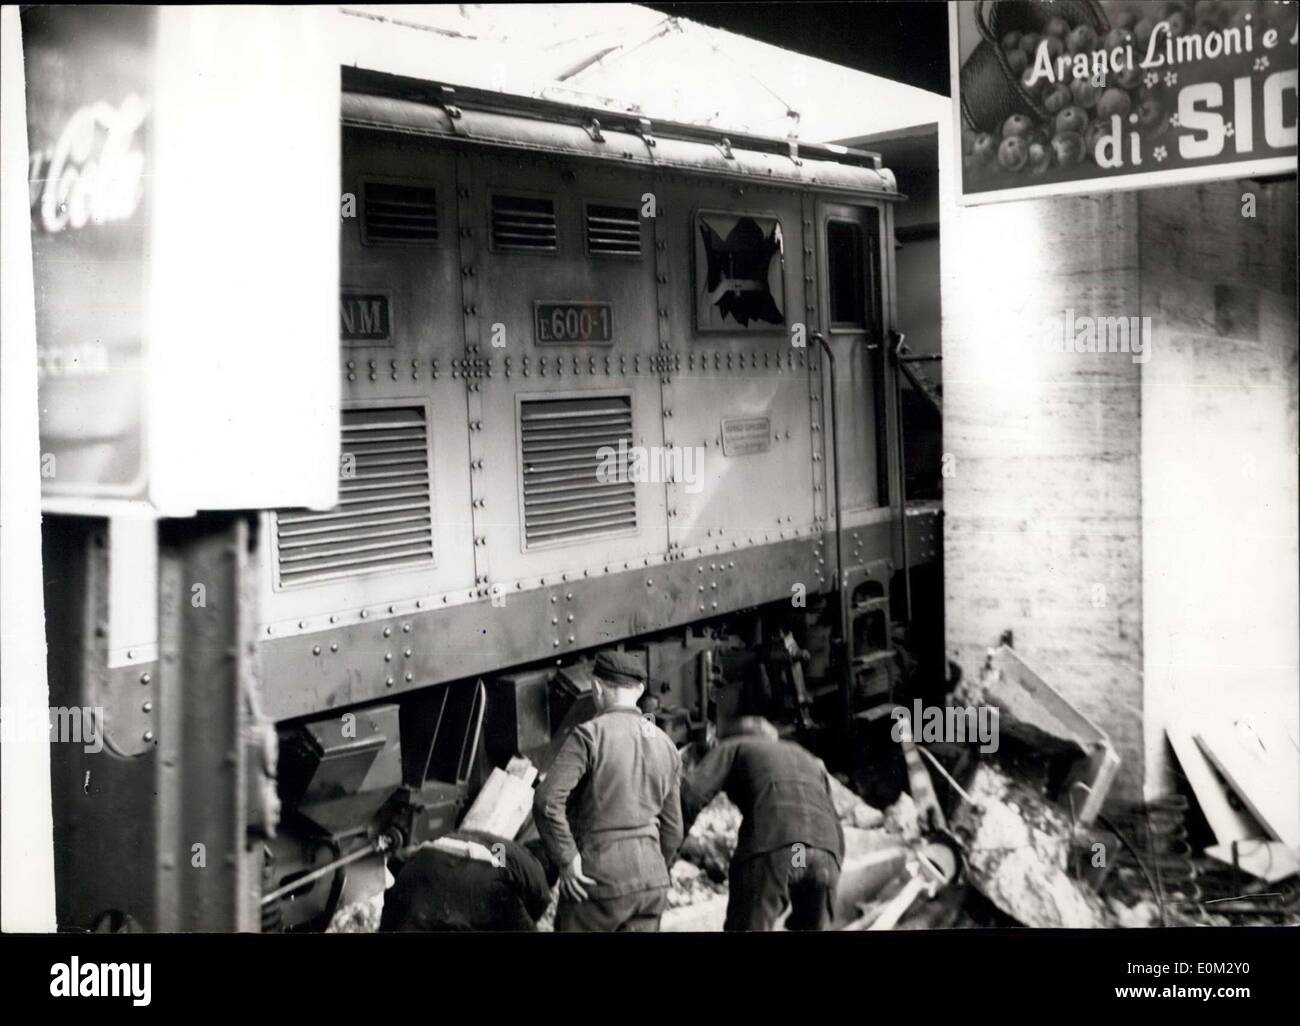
993	78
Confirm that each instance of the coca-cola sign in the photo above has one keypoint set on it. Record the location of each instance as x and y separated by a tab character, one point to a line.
94	174
90	88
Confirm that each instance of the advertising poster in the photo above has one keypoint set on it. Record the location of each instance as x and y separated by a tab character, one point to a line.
88	174
1067	96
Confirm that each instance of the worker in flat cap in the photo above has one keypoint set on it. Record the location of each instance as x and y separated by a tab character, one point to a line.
791	841
609	809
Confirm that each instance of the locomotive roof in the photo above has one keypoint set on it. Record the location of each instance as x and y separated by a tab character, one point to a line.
376	101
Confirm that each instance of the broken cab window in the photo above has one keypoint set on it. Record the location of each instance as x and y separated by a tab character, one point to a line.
845	277
740	272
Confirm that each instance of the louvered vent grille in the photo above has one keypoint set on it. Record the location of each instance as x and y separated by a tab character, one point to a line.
384	519
523	223
613	231
400	213
564	499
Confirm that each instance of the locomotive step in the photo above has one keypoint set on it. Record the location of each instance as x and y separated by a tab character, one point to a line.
879	657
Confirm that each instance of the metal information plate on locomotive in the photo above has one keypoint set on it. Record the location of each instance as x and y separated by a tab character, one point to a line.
561	323
364	317
744	436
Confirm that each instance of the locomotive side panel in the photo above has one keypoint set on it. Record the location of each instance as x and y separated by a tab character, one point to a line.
566	317
740	396
549	313
403	527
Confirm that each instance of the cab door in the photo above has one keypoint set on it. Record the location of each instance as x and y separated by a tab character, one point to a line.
853	322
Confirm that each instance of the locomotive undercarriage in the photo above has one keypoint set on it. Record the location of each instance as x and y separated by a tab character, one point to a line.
242	817
355	792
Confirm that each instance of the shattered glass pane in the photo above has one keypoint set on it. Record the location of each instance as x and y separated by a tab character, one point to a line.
742	267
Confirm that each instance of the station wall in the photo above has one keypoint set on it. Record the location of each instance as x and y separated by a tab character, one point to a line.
1131	517
1219	459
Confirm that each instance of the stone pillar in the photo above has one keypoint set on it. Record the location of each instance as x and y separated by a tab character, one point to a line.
1221	615
1043	509
1132	518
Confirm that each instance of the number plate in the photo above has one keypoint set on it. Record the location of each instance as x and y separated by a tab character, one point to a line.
559	323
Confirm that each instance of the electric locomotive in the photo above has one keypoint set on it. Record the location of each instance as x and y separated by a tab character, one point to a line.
607	381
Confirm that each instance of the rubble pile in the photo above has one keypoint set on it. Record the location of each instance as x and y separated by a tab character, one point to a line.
851	809
1140	916
1017	849
713	837
690	885
359	917
699	877
902	819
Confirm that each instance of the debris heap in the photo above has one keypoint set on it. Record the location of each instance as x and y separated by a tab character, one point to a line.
713	837
691	885
1017	851
851	809
359	917
902	819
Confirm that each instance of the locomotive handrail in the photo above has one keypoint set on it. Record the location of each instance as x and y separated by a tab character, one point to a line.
470	98
625	142
465	765
820	339
917	383
897	352
902	359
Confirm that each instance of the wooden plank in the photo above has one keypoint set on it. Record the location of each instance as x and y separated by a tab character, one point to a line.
1262	764
1023	696
872	858
1228	823
479	816
1269	860
522	768
502	806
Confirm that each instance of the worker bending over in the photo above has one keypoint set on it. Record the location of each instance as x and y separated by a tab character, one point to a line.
467	880
791	842
609	809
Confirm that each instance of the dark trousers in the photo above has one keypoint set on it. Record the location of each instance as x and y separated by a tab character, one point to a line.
638	912
763	886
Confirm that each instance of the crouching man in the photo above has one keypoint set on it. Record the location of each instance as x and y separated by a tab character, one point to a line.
467	880
791	841
609	809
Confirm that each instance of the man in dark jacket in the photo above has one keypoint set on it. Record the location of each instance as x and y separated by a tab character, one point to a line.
791	841
467	880
609	809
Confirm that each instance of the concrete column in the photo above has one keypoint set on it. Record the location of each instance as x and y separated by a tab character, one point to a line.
1131	518
1042	513
1221	628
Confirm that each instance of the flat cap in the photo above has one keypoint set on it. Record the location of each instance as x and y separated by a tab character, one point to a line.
620	669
